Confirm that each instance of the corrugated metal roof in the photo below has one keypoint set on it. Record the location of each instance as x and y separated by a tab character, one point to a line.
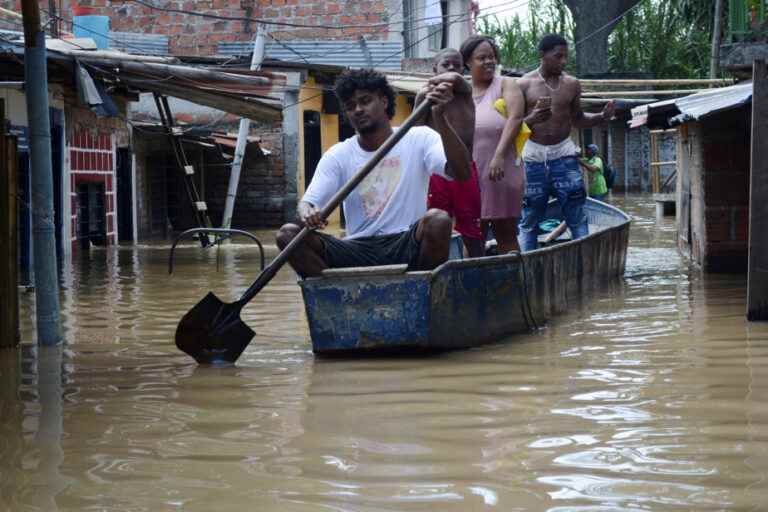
692	108
703	104
642	114
142	44
383	54
12	40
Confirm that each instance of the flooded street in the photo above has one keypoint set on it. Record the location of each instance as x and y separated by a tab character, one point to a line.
652	396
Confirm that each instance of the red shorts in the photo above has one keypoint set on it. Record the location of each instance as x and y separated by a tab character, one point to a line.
460	199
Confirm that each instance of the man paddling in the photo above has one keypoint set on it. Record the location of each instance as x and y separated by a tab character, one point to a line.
461	200
387	219
553	107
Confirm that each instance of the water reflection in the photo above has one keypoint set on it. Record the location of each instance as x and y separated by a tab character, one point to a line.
32	427
651	396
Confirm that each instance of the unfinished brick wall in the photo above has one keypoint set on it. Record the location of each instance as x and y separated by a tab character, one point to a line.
260	194
262	187
715	154
726	152
196	35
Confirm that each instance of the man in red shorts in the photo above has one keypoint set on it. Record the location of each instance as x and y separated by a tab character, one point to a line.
461	200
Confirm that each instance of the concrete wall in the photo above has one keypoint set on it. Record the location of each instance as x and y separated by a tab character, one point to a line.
616	154
636	160
457	32
717	153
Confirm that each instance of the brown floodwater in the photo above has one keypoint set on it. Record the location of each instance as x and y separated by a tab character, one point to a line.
653	395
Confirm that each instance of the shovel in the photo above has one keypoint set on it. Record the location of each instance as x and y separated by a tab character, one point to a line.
212	331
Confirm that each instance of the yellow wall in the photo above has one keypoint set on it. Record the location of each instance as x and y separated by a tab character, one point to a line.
311	98
402	110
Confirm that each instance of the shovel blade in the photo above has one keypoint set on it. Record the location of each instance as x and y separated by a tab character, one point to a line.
212	332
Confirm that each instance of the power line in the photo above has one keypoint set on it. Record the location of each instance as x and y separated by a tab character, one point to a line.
607	24
246	18
89	29
597	31
513	4
502	7
287	23
465	17
462	17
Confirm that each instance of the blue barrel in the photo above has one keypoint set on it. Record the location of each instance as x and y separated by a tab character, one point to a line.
95	27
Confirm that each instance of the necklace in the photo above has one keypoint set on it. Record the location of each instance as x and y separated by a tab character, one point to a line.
546	84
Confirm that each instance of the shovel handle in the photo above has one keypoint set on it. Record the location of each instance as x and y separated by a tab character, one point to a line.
268	273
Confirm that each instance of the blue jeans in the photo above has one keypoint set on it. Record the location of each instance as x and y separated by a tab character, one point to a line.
561	178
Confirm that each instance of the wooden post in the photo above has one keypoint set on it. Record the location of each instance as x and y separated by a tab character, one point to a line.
652	158
9	272
757	277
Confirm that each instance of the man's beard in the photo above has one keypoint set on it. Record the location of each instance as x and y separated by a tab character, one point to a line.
367	129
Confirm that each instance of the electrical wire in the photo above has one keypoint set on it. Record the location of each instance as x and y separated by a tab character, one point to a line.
515	4
289	24
460	18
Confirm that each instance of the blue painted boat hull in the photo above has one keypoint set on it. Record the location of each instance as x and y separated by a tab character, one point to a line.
463	303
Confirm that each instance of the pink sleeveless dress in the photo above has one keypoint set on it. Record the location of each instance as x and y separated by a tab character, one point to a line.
499	199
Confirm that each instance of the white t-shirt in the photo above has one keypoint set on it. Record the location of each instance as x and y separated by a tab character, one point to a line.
394	195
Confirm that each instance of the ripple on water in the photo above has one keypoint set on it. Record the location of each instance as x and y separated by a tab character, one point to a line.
649	396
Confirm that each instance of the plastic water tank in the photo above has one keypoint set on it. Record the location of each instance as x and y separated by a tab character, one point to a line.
95	27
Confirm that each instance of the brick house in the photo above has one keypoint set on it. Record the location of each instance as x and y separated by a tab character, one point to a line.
86	150
98	193
301	44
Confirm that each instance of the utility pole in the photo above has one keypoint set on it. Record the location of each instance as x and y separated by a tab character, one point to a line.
44	234
242	136
714	63
757	270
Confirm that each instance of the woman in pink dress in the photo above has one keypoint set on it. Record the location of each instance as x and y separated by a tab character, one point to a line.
501	178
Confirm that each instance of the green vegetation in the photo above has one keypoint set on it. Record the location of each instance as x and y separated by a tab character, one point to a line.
518	37
665	38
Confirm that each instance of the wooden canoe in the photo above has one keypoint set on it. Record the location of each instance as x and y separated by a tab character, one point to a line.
464	302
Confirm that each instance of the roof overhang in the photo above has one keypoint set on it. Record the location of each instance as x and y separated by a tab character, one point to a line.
252	94
669	113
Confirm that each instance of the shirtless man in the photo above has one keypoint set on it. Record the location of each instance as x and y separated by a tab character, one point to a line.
461	200
553	108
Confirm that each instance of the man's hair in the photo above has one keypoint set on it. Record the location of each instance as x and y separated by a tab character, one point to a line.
471	43
446	51
551	41
353	80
